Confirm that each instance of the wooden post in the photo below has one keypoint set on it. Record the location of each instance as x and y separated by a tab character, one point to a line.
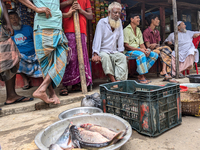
162	24
176	37
143	15
80	52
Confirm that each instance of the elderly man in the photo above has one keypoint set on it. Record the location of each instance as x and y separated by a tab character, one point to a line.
50	46
188	54
72	75
135	48
23	38
9	59
108	45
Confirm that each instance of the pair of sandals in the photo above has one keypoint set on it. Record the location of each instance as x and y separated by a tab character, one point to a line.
169	78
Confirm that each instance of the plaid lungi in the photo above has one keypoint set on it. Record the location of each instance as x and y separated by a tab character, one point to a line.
51	47
9	56
29	65
143	63
165	54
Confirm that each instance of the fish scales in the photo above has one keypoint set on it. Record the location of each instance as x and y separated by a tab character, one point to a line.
92	137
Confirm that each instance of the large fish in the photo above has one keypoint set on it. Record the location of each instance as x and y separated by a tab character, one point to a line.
92	137
80	142
102	130
64	141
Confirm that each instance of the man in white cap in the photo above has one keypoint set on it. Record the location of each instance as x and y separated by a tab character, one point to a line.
188	54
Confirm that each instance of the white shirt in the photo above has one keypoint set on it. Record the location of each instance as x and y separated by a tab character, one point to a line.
185	45
106	40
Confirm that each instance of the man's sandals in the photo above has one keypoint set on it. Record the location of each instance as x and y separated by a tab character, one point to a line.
172	80
19	100
142	81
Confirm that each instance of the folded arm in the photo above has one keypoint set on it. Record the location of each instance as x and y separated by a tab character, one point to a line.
30	5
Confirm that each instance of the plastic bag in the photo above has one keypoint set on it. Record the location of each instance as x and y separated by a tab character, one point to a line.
93	100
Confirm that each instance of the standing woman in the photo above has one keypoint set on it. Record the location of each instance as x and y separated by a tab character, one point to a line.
9	58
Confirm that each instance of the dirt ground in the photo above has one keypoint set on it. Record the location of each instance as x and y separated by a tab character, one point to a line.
17	132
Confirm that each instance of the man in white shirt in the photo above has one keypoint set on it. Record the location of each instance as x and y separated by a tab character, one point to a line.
188	54
108	45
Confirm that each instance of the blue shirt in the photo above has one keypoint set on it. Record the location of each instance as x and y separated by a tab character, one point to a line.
24	40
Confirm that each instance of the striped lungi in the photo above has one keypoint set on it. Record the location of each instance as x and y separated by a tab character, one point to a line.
29	65
51	47
9	56
143	63
165	54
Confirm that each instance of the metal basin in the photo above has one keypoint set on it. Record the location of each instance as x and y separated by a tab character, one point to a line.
85	110
194	78
49	135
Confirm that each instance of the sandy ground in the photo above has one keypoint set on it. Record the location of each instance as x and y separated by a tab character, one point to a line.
18	131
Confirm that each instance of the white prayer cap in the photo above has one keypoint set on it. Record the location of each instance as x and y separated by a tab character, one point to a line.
179	22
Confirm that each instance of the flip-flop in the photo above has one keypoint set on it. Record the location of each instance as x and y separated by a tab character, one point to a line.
180	76
170	80
20	100
164	75
139	81
26	87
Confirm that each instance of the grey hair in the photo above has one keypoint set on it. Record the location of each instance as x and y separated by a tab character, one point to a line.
114	4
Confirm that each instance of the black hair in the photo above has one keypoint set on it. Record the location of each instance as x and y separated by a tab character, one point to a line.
150	17
13	13
132	16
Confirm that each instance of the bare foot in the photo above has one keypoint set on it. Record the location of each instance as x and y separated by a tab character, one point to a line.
55	98
43	96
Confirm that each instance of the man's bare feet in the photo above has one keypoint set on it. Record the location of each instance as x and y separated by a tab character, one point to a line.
43	96
55	98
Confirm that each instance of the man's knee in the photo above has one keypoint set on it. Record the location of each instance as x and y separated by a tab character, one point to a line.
104	57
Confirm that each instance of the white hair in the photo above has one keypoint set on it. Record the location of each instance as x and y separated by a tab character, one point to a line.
114	4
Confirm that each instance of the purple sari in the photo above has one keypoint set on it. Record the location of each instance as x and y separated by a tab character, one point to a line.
72	75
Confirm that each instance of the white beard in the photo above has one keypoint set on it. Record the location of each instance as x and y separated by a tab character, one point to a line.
17	27
183	30
114	24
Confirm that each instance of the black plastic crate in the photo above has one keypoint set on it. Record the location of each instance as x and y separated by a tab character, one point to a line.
150	109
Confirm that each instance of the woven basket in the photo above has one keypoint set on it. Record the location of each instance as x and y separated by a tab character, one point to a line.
190	103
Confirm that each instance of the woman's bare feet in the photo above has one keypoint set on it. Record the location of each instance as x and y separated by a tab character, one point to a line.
43	96
54	97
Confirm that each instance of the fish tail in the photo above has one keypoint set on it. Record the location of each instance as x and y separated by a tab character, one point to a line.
117	137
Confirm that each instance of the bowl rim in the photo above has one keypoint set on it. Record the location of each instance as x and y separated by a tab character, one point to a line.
77	108
40	145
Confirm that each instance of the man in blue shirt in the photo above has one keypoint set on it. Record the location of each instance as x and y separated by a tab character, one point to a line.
23	38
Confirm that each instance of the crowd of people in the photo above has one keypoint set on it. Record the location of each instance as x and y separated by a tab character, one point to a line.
48	51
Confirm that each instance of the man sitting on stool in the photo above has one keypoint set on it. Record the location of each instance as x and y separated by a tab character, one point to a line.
108	45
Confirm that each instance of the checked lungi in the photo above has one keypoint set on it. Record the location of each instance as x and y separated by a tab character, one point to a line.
165	54
51	47
143	63
29	65
9	56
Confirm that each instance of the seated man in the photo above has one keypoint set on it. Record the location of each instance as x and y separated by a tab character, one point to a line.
136	49
152	41
108	45
188	54
23	38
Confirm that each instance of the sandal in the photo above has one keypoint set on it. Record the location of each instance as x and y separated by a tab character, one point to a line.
140	81
170	80
20	100
165	76
180	76
64	91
